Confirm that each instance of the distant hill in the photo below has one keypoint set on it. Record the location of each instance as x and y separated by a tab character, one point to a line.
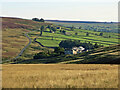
12	22
63	21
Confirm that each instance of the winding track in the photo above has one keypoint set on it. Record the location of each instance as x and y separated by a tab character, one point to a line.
21	52
24	47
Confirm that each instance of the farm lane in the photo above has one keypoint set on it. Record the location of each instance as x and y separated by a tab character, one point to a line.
21	52
24	47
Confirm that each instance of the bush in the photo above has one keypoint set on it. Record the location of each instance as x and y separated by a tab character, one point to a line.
75	43
40	55
59	50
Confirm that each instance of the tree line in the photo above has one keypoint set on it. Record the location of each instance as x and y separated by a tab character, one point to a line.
76	43
38	20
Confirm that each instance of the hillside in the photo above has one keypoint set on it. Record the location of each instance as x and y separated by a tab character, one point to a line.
13	35
63	21
104	55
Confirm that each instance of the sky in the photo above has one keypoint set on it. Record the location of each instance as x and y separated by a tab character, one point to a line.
79	10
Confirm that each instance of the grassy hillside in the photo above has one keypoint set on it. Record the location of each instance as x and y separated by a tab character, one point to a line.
59	76
104	55
13	38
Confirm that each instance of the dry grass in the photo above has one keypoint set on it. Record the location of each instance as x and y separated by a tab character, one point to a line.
60	76
13	30
13	40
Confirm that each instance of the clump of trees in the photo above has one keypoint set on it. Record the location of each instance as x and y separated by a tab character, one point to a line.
76	43
101	34
38	20
76	33
80	27
51	28
87	34
72	28
57	51
64	32
40	55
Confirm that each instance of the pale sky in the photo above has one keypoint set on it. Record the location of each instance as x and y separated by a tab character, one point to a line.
80	10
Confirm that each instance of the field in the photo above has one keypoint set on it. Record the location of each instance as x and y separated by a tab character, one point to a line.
53	39
59	76
104	27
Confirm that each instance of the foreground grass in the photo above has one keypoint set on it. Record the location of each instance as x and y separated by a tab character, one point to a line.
60	76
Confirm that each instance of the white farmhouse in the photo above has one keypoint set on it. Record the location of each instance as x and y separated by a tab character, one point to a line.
74	50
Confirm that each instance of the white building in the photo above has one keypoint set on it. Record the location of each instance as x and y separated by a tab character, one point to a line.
75	50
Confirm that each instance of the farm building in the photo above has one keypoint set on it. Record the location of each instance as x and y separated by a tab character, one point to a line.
74	50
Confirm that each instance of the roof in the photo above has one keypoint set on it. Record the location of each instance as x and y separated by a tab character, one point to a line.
78	48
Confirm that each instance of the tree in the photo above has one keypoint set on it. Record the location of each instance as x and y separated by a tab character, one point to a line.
76	33
75	43
80	27
40	55
101	34
54	29
96	45
72	28
87	34
49	26
35	19
41	30
59	50
64	32
41	20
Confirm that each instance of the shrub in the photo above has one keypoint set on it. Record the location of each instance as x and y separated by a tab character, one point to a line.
40	55
59	50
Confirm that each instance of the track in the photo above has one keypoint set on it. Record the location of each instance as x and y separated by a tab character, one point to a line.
21	52
24	47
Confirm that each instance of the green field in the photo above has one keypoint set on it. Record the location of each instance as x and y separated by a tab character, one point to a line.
53	39
109	27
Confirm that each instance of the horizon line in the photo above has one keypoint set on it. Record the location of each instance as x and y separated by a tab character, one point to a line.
57	19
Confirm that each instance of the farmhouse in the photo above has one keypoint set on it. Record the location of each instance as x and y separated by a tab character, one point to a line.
74	50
